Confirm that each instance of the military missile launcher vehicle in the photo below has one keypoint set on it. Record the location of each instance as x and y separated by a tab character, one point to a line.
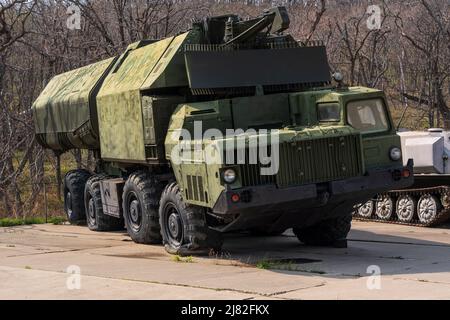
427	202
159	116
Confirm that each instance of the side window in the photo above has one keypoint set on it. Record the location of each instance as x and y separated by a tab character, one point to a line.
329	112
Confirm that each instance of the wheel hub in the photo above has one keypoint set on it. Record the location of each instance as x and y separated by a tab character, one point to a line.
91	209
174	226
135	212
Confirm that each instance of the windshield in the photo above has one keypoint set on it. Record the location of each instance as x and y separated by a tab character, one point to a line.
368	116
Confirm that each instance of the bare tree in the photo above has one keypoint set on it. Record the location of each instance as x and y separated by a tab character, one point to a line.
408	57
428	39
13	21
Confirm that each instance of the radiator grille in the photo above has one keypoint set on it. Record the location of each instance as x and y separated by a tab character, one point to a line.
312	161
195	189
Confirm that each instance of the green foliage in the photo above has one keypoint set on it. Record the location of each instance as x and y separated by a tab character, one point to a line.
265	265
57	220
12	222
283	266
274	265
180	259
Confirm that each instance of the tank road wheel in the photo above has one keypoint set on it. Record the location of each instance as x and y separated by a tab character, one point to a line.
74	184
183	226
384	207
96	219
326	233
406	208
141	197
366	210
428	208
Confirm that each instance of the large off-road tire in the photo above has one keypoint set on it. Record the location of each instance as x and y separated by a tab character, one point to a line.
326	233
95	218
141	196
74	184
183	226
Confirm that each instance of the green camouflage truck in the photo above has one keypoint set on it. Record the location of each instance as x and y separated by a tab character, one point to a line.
230	126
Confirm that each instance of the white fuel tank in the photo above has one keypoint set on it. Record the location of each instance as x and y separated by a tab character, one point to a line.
429	149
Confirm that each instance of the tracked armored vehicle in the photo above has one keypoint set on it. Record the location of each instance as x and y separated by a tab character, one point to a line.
159	116
427	202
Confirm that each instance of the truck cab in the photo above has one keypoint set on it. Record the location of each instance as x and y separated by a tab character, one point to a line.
333	148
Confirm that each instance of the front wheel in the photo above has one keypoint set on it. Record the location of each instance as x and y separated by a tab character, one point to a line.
326	233
183	226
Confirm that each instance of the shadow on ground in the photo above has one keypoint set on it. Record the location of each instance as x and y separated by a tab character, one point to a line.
408	253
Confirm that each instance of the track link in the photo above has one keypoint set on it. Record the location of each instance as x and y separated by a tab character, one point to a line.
443	215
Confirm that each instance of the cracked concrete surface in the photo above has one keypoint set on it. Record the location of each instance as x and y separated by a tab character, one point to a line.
414	263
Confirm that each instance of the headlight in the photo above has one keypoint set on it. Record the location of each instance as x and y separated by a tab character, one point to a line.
338	77
229	176
395	154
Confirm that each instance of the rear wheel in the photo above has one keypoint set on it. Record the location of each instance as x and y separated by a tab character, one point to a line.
141	197
326	233
74	184
183	226
95	217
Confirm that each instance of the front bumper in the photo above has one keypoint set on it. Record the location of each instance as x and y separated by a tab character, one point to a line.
269	198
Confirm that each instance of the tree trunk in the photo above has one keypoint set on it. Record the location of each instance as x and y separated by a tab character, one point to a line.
78	158
58	176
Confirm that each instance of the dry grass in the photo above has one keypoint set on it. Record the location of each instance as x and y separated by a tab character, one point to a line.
37	208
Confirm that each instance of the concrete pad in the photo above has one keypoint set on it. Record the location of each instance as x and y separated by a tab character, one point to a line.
28	284
50	237
357	289
241	279
414	263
